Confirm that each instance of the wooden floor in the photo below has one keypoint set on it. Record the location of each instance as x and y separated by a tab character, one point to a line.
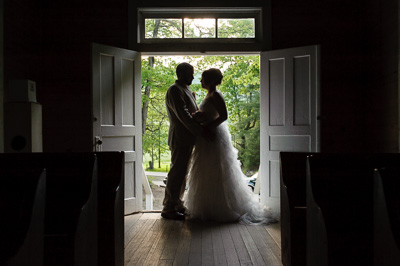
152	240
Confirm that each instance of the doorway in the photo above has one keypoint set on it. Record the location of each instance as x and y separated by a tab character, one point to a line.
289	111
241	90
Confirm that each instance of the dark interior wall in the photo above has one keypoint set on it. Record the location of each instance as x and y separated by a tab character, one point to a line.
50	43
358	91
1	77
22	33
382	118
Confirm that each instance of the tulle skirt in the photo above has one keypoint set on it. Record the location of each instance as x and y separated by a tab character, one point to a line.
217	189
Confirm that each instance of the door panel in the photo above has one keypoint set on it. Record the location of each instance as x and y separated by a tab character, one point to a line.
117	113
289	111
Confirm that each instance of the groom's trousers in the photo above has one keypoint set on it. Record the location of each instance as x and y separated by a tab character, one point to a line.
176	181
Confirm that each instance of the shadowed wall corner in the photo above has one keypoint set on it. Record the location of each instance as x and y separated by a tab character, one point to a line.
1	76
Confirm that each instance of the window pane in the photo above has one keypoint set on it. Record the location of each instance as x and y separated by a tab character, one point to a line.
199	28
236	28
163	28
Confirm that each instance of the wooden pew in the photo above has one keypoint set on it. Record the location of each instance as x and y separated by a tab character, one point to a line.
387	216
22	199
71	209
70	227
77	183
339	210
111	167
293	207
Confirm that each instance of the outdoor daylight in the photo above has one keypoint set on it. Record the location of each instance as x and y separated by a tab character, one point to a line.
241	90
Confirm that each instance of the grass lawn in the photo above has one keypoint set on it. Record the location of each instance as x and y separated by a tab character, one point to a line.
165	163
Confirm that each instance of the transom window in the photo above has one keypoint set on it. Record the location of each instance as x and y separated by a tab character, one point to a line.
199	25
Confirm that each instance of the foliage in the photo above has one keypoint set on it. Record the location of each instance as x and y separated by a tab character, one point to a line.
156	125
236	28
163	28
240	87
200	28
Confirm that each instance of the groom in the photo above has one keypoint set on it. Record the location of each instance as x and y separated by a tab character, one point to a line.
182	134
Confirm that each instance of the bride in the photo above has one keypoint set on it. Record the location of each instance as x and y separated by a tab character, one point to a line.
217	189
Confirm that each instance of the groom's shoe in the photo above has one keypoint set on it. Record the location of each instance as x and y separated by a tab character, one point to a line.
183	211
174	215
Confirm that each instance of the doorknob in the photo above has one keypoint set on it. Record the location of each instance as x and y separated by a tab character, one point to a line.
98	141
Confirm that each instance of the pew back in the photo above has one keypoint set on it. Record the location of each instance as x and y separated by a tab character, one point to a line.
70	226
74	228
293	207
111	167
387	216
22	198
339	206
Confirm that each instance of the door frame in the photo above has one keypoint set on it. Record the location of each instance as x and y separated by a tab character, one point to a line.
262	174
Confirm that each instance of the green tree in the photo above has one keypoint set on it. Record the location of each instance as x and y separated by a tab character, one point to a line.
157	74
240	87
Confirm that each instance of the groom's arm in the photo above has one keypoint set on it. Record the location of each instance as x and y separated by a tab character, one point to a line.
177	104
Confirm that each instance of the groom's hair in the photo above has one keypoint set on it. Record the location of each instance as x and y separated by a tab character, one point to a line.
182	68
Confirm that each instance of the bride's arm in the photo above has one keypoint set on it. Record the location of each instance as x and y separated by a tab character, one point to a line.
220	105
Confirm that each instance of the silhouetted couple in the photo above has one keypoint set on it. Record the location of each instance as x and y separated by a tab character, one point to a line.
202	151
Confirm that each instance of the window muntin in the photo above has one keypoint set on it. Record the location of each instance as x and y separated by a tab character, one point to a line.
191	25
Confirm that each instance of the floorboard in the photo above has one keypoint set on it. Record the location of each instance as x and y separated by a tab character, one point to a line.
183	250
255	255
229	246
154	256
240	247
195	244
218	245
152	240
207	252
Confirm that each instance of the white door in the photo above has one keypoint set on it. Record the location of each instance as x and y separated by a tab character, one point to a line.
117	113
289	112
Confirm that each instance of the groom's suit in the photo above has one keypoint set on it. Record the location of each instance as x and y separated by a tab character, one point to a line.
181	138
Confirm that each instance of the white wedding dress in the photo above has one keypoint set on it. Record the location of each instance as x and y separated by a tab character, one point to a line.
217	189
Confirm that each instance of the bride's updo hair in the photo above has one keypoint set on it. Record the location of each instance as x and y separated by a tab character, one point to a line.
213	75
